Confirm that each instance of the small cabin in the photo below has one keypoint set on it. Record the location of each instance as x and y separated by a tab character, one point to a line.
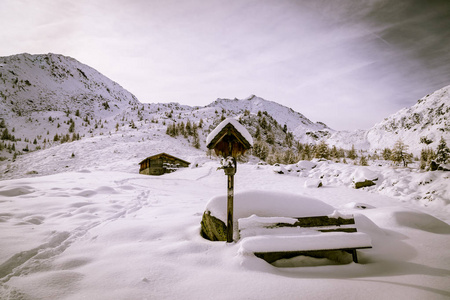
161	163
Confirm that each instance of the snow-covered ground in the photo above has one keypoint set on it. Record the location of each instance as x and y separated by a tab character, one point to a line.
98	232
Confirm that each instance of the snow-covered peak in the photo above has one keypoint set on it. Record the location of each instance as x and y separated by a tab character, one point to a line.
53	82
302	128
419	126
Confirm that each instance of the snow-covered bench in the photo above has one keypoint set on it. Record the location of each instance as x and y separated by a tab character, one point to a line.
272	238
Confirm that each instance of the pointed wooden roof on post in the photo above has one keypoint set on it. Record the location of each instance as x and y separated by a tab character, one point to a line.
229	138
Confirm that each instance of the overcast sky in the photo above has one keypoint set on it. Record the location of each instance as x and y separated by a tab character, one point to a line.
346	63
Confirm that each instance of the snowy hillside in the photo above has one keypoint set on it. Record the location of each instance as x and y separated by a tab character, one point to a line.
52	82
419	126
304	130
51	99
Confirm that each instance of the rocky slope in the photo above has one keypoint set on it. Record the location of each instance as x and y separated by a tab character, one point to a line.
419	126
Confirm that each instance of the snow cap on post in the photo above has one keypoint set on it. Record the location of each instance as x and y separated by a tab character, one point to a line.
229	138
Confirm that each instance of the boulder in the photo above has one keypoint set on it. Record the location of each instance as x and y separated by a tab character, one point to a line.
361	184
363	177
279	169
313	183
443	167
212	228
306	165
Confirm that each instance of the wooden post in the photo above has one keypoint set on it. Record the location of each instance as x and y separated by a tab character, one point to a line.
230	193
229	140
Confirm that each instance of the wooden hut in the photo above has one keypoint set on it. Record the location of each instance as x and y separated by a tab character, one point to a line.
161	163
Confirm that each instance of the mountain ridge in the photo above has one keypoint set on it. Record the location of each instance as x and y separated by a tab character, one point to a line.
48	95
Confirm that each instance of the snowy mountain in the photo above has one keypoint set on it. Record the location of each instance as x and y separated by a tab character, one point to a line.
47	100
54	82
419	126
51	99
303	129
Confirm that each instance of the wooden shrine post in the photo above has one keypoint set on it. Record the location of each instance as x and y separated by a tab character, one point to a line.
229	141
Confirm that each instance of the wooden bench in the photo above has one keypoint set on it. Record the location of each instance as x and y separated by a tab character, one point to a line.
272	238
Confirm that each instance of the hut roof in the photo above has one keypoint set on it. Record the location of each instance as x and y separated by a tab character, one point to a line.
164	154
222	130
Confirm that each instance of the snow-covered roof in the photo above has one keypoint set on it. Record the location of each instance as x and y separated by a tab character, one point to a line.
164	154
241	129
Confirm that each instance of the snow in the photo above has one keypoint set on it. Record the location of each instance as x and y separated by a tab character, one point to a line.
88	226
337	214
95	233
362	174
306	165
312	183
305	241
268	204
241	129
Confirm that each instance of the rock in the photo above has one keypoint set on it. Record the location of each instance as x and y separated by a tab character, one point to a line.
279	169
306	165
443	167
313	183
212	228
363	177
361	184
433	166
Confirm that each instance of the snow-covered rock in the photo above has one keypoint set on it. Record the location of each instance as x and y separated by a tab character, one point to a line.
306	165
313	183
364	173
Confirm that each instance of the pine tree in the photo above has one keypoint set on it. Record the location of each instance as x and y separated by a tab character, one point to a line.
182	129
188	127
387	153
352	153
426	156
257	133
289	139
5	134
442	152
321	150
289	157
363	161
260	150
400	154
72	126
334	152
196	140
307	152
